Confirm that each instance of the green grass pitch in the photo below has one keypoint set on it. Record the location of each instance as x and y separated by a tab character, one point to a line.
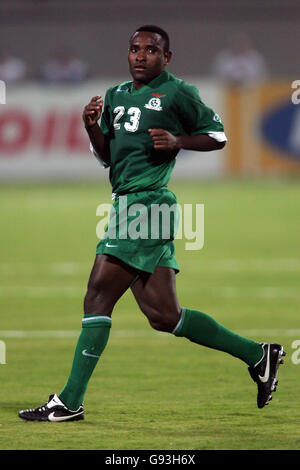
150	390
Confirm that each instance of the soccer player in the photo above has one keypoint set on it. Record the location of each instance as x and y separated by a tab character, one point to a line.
144	123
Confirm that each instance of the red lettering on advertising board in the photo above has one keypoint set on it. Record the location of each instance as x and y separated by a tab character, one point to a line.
15	130
75	139
49	133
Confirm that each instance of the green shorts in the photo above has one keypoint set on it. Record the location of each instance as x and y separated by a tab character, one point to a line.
141	230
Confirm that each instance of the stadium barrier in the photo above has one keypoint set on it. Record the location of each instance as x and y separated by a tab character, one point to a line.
263	130
42	136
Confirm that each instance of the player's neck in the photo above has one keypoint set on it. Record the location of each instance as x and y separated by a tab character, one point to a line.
138	84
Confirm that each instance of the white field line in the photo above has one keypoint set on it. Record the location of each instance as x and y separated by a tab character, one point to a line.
41	292
38	334
62	334
277	264
63	268
262	292
69	268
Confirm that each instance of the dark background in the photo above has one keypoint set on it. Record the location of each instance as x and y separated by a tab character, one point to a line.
98	31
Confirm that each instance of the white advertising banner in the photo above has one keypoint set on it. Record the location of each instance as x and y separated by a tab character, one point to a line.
42	135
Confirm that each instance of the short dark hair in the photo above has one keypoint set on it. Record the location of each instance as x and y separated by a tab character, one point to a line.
150	28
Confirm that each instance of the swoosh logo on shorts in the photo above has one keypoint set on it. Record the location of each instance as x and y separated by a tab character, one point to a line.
265	377
84	353
110	246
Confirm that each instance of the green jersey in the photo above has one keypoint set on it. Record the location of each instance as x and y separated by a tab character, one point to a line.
164	103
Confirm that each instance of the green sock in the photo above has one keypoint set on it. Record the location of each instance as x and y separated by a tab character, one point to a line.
202	329
91	343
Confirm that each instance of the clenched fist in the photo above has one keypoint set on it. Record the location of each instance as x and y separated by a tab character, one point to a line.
92	112
163	140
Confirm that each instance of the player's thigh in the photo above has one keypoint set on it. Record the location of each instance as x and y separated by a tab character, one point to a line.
157	298
108	281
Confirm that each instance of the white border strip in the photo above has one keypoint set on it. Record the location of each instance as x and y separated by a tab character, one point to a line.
96	317
58	334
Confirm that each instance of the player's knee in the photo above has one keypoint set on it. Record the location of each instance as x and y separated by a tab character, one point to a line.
162	320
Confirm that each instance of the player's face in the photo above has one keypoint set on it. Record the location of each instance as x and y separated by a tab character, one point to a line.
146	57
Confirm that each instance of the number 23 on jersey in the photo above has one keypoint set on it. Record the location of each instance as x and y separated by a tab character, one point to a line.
134	115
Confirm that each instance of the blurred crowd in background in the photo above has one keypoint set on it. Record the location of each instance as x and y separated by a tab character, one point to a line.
60	68
237	64
241	55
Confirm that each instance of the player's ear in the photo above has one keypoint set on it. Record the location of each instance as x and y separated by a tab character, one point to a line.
168	57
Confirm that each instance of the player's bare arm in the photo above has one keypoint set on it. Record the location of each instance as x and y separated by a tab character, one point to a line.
91	115
164	140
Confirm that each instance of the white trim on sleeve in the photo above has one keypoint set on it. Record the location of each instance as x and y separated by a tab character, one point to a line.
218	136
102	163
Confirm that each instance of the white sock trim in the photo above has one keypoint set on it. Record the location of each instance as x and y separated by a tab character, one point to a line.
262	347
96	317
178	326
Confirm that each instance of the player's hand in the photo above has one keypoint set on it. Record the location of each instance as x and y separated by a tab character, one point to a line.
92	112
163	140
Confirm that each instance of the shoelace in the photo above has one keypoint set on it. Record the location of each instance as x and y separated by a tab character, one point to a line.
42	408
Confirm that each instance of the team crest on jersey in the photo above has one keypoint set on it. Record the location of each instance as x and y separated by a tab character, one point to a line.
154	104
217	118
